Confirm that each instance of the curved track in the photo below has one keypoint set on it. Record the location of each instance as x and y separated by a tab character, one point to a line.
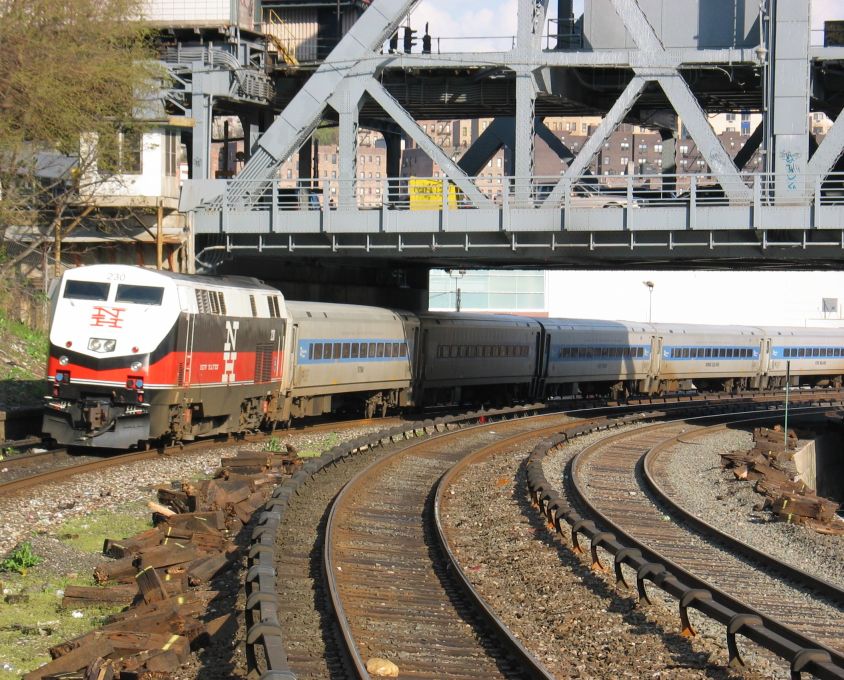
393	584
607	478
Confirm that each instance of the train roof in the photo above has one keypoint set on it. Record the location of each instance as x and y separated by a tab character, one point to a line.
455	318
801	331
596	324
97	271
670	329
329	310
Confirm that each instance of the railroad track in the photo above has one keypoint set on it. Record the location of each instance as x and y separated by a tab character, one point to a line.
31	470
396	588
620	516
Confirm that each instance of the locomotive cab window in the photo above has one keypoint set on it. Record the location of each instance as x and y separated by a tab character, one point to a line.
139	295
86	290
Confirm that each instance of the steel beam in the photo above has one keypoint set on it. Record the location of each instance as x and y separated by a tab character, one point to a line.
393	109
303	114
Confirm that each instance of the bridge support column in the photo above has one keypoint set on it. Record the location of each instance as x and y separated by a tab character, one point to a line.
348	154
669	160
525	107
202	104
790	111
393	142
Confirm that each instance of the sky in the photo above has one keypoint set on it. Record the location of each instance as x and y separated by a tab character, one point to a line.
459	26
772	298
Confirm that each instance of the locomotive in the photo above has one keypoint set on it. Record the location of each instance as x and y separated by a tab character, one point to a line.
140	357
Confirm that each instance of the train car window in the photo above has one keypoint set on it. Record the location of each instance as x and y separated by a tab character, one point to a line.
684	352
801	352
253	305
364	350
355	350
471	352
139	295
440	351
837	351
347	350
816	351
403	349
790	352
338	350
722	352
380	350
86	290
525	350
640	352
372	346
310	352
316	350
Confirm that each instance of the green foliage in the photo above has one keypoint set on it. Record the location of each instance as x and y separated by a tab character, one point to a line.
21	559
273	445
29	628
88	533
327	136
69	71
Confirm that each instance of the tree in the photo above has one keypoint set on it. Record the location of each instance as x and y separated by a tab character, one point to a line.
70	71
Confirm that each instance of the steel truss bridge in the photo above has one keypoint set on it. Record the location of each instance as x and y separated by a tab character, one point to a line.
790	215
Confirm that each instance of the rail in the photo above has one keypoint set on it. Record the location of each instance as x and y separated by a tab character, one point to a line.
801	653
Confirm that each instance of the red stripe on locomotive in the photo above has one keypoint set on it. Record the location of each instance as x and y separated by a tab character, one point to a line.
203	368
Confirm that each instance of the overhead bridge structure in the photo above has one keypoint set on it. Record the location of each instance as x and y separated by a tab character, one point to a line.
664	64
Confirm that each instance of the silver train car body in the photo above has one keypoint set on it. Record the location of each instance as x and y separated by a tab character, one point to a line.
467	356
345	356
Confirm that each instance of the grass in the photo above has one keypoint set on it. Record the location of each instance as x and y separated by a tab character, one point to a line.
22	646
88	533
331	440
29	628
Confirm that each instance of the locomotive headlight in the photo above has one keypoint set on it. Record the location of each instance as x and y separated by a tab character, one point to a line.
136	366
63	360
101	344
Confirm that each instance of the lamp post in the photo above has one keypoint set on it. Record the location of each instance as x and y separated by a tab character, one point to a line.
457	275
650	285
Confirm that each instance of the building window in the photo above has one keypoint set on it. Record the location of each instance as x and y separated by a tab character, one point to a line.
171	154
120	153
658	148
684	149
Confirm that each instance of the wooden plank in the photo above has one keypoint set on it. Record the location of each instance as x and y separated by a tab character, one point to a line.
151	586
169	555
133	545
204	569
119	570
75	659
83	596
199	521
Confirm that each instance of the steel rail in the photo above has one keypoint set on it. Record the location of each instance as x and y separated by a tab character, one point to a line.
820	585
689	589
525	659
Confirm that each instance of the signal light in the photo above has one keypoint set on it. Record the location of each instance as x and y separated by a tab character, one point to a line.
409	39
134	383
62	377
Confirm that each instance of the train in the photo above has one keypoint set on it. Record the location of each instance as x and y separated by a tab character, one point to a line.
139	357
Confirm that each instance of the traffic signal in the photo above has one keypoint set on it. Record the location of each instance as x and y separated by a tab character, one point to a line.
409	39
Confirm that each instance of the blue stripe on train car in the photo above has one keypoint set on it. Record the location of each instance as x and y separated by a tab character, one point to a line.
673	353
306	354
807	352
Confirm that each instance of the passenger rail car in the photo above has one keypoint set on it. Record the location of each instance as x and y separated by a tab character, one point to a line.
140	356
345	356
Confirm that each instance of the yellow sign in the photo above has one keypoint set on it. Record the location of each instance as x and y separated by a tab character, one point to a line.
427	194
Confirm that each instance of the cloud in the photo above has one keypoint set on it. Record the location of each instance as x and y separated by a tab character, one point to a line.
471	25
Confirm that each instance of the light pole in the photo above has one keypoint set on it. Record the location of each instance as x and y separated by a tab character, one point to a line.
457	275
650	285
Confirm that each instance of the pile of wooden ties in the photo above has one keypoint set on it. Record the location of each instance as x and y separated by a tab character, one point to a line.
162	575
769	464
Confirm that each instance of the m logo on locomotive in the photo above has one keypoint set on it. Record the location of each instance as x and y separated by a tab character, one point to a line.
230	351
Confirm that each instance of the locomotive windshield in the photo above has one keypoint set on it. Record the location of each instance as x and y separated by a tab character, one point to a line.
86	290
139	295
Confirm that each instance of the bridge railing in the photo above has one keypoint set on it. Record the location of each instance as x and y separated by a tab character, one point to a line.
692	191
